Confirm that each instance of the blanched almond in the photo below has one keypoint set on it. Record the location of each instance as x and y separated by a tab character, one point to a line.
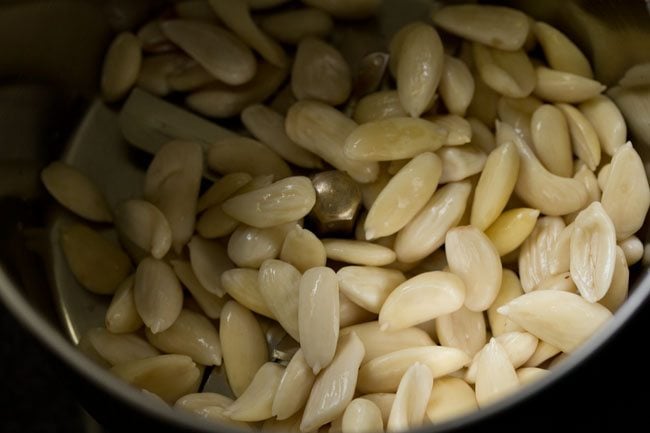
215	223
255	402
248	247
158	294
404	196
511	229
426	231
292	26
294	387
74	190
459	131
362	416
379	105
119	348
226	57
167	376
358	252
351	313
413	393
241	154
562	319
121	66
450	398
286	200
558	86
463	329
626	197
334	388
460	162
561	281
495	376
222	189
472	256
510	289
209	260
537	250
383	374
510	73
144	225
617	292
632	248
323	130
607	120
495	185
318	316
393	138
561	252
368	286
303	249
519	346
242	285
419	69
593	252
496	26
121	315
484	103
210	303
98	264
456	85
585	141
421	298
543	353
529	375
243	346
279	285
560	52
482	137
210	406
551	139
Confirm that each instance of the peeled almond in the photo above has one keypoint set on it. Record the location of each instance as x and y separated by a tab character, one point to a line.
358	252
562	319
294	387
543	353
462	329
255	402
121	66
450	398
510	73
119	348
456	85
560	52
421	298
210	303
511	229
303	249
384	401
209	260
484	103
561	281
510	289
519	346
248	247
495	375
351	313
482	137
191	334
413	393
98	264
144	225
241	154
279	284
379	105
632	247
617	292
537	251
158	294
368	286
121	315
607	120
76	192
222	189
318	316
242	285
215	223
529	375
559	86
210	406
292	26
585	141
362	416
334	388
551	139
460	162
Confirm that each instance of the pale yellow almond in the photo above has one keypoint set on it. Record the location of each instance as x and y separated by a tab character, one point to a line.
254	404
121	315
215	223
267	125
509	73
396	165
537	250
370	191
426	231
589	180
510	289
484	103
172	184
192	76
119	348
558	86
396	43
222	101
617	292
377	106
419	69
283	100
378	342
421	298
158	294
551	140
543	190
210	406
603	175
278	284
248	247
560	52
346	9
258	182
472	256
561	252
242	285
383	374
495	375
362	416
584	139
562	282
75	191
607	120
463	329
495	185
191	334
323	130
152	39
519	346
410	405
294	388
281	202
626	196
144	225
482	137
450	398
505	132
167	376
210	303
242	344
460	162
303	249
236	15
393	138
318	316
209	260
292	26
358	252
511	229
633	249
334	387
368	286
121	66
242	154
320	73
98	264
593	252
352	314
404	196
456	85
459	131
528	375
564	320
219	51
384	401
543	353
496	26
222	189
289	425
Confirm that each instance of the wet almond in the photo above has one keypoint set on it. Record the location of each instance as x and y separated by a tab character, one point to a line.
510	289
509	73
560	52
585	141
119	348
279	284
495	375
537	251
413	393
450	398
460	162
121	315
559	86
511	229
358	252
362	416
145	226
456	85
294	387
121	66
632	247
214	223
241	154
243	286
292	26
255	402
158	294
463	329
303	249
209	260
617	292
377	106
222	189
607	120
210	303
368	286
